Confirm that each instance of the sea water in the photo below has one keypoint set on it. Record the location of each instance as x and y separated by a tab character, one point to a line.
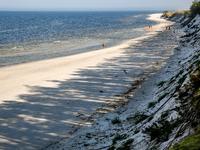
32	36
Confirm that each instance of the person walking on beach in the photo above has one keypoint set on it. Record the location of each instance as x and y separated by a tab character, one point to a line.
103	45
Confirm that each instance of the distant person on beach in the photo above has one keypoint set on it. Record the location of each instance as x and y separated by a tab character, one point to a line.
166	28
151	25
169	28
103	45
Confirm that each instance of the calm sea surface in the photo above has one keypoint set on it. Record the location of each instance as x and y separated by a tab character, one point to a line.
32	36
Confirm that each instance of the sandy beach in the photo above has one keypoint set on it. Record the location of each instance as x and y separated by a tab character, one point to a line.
43	102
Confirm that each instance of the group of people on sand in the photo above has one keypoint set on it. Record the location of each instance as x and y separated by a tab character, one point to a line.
168	28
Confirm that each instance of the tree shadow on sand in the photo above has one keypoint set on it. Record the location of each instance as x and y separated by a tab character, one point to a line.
48	114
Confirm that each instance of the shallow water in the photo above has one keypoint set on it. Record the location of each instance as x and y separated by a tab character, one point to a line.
31	36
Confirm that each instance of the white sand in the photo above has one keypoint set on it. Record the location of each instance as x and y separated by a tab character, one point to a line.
162	23
40	100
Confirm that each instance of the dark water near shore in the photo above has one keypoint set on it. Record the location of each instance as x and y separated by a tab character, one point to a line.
31	36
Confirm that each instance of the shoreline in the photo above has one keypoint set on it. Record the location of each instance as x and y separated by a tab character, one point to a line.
46	96
70	53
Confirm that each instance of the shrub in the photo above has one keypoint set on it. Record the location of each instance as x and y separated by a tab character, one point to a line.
171	13
112	148
161	83
162	129
186	13
137	131
138	117
126	145
152	104
161	97
118	137
195	8
165	114
180	72
182	79
116	120
170	82
150	118
197	62
191	142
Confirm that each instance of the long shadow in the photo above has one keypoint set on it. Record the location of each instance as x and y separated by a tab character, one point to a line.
48	114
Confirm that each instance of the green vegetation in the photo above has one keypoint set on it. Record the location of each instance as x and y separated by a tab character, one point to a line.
152	104
190	143
137	131
118	137
138	117
171	13
165	114
162	96
150	118
162	129
196	62
180	72
112	147
195	57
126	145
173	79
170	82
116	120
196	98
186	13
195	8
182	79
161	83
198	93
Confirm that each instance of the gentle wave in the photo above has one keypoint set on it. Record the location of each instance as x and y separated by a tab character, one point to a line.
32	36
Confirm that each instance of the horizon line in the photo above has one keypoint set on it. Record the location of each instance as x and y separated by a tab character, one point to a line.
82	10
